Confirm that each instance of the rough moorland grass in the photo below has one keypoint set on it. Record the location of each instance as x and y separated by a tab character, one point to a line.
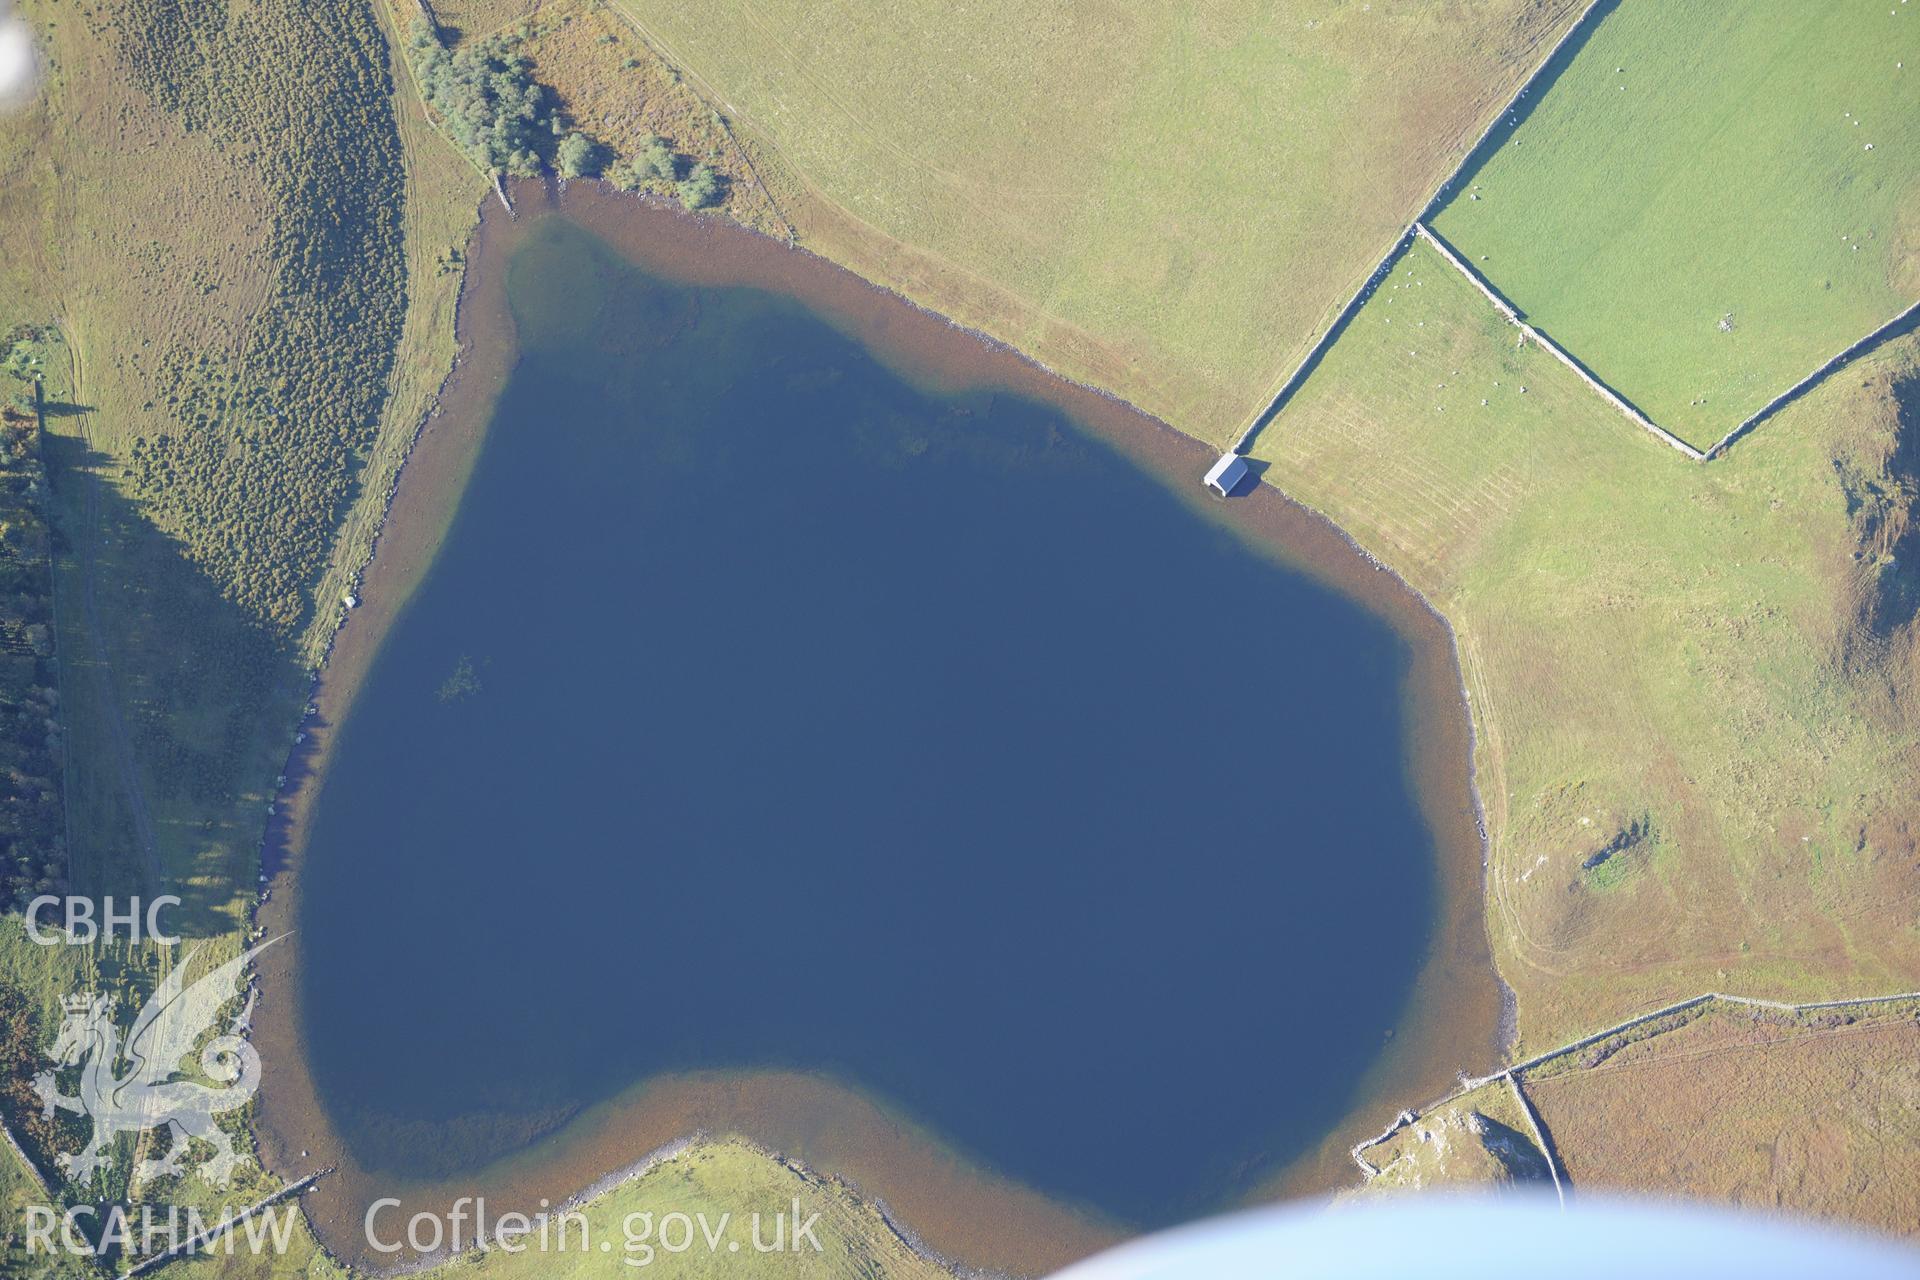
17	1192
1817	1115
472	19
210	205
610	85
1709	669
215	222
303	1260
1699	162
1169	201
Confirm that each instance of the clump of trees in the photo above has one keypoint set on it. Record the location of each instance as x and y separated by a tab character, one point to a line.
654	167
23	362
20	1045
653	163
578	156
700	188
507	120
489	99
33	852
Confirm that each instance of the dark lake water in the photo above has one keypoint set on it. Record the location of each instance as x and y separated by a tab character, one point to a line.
763	710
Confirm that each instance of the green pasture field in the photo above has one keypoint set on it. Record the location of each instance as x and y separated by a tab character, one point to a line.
1710	199
1168	201
1710	669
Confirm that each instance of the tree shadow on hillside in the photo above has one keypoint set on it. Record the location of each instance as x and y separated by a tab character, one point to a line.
175	702
300	771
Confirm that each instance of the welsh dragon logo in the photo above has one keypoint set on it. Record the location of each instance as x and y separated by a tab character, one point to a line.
135	1084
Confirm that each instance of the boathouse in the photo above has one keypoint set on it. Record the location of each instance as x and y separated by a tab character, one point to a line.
1226	473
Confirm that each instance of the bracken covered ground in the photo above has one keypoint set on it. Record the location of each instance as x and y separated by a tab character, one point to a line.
1815	1115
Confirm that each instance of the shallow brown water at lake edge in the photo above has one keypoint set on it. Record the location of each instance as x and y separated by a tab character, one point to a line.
957	1209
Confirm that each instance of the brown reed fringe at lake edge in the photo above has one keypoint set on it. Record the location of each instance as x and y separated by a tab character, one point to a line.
957	1210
